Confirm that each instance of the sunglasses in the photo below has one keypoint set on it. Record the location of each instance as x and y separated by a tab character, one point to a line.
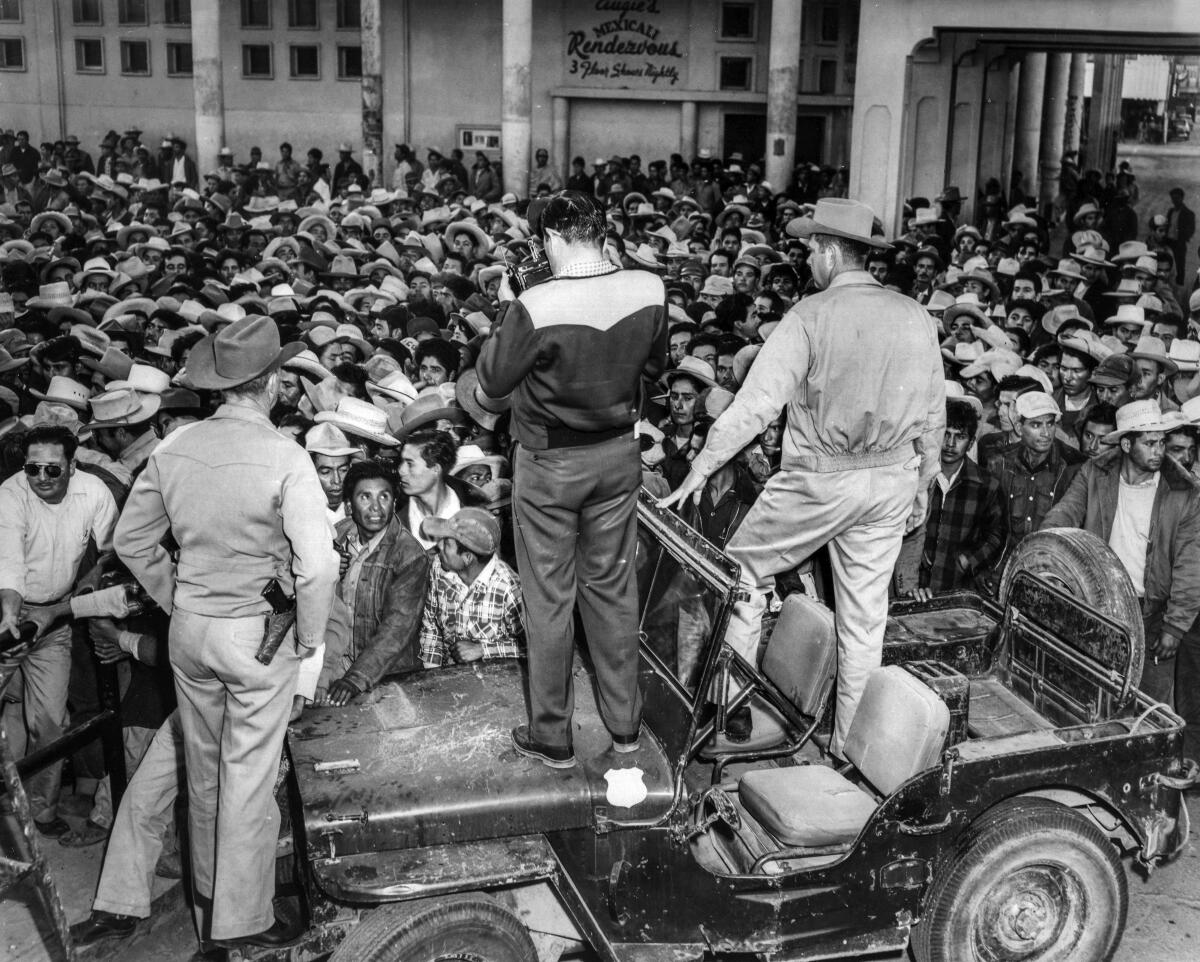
52	471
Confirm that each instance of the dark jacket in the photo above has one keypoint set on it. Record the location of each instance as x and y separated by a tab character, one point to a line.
1172	578
387	605
1029	493
572	352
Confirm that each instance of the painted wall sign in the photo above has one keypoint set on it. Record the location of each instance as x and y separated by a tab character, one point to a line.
626	43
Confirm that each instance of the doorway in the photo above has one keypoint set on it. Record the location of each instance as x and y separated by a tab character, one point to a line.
745	134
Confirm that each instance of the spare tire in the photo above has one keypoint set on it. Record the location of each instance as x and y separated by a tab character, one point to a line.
1081	565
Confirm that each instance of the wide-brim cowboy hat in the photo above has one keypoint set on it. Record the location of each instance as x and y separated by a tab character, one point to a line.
839	217
360	419
693	368
1142	416
482	241
238	353
122	407
429	408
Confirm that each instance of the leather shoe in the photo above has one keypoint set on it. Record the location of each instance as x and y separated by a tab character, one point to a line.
57	827
283	932
100	926
550	755
739	725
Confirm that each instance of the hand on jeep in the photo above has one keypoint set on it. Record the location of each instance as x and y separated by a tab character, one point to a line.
920	594
692	486
1165	647
465	651
340	693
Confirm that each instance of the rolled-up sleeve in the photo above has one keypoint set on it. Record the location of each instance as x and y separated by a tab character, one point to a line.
139	535
314	562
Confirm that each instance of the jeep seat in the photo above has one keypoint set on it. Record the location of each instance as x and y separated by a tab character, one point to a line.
899	730
800	660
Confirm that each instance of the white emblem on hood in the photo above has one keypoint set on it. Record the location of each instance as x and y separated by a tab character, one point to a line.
625	787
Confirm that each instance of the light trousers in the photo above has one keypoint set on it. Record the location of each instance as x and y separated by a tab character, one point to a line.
233	712
860	514
143	819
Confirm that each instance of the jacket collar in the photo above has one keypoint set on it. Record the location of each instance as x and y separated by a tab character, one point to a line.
1171	474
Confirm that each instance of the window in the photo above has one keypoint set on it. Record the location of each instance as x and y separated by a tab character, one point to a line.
89	56
86	11
830	24
256	13
133	12
306	61
178	13
827	77
10	10
256	60
12	54
302	13
349	15
737	21
736	73
135	57
179	60
349	63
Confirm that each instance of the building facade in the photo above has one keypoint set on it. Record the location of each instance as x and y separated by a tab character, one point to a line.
652	77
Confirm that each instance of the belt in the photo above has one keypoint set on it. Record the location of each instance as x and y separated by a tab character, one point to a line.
564	437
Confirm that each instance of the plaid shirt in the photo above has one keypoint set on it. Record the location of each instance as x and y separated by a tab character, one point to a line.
968	519
486	612
1032	492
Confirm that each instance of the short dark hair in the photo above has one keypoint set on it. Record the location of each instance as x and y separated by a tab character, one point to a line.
1018	383
1098	413
365	471
438	449
961	415
50	434
576	216
720	252
352	374
443	352
702	339
285	146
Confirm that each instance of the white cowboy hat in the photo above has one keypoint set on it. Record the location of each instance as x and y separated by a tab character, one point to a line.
1140	416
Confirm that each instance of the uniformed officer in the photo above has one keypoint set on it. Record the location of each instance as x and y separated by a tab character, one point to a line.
245	506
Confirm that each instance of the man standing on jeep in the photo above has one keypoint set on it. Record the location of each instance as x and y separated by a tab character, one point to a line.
572	352
858	368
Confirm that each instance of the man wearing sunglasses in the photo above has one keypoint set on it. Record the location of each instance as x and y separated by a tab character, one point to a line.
48	515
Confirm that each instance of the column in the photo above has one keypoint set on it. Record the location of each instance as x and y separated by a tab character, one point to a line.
1104	116
516	113
687	130
1054	115
371	37
560	141
1009	136
207	86
1029	122
1073	125
783	82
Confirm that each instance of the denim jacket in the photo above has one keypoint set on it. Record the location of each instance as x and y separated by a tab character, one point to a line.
387	607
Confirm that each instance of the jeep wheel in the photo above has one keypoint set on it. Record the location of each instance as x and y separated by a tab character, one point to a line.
1083	566
471	928
1032	881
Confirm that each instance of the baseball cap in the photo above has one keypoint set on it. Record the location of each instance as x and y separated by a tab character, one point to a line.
1036	404
475	529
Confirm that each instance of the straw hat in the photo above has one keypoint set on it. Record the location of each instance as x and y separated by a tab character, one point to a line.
471	454
359	419
694	368
121	408
429	408
64	390
1150	348
1140	416
327	439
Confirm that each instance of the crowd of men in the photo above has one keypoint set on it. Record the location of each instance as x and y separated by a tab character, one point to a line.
141	297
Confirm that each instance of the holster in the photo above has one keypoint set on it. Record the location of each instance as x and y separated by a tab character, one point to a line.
275	629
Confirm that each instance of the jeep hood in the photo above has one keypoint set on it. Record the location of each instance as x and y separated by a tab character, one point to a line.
427	759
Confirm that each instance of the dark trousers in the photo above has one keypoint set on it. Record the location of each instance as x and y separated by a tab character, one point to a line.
1187	690
1179	251
575	527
